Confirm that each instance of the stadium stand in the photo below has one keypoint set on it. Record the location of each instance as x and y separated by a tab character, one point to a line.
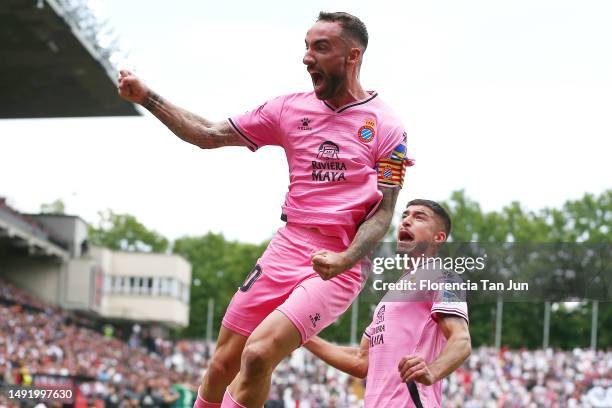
39	341
57	61
49	340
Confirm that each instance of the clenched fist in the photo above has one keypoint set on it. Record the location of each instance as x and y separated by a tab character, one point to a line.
413	367
131	88
329	264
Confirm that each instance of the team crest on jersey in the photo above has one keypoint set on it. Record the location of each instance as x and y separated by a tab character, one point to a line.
366	133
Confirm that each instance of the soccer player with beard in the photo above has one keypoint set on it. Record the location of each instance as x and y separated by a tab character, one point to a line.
346	152
416	337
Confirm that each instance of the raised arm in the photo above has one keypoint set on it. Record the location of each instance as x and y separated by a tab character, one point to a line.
329	264
188	126
351	360
458	347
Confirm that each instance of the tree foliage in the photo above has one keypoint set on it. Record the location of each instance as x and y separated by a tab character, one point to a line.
124	232
55	207
585	220
220	266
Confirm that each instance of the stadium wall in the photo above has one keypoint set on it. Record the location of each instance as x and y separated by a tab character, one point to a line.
79	285
41	277
144	287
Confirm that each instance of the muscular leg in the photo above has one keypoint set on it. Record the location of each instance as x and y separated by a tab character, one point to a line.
274	339
223	366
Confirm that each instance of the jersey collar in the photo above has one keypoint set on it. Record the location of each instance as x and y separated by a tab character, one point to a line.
372	95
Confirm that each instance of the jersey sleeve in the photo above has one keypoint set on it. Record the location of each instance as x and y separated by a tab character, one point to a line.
450	300
393	160
379	317
261	126
369	331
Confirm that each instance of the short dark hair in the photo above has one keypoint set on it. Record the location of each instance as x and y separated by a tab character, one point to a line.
351	26
438	210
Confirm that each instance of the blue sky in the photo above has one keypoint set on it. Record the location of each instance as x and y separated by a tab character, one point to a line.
508	100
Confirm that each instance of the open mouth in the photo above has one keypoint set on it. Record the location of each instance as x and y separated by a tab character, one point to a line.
317	78
405	236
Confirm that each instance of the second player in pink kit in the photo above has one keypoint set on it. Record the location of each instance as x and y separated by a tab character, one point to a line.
416	337
346	152
406	323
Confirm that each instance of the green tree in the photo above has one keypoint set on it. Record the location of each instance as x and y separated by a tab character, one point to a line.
220	266
55	207
604	325
587	220
124	232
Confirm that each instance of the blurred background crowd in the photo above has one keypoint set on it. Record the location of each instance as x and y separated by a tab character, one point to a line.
42	344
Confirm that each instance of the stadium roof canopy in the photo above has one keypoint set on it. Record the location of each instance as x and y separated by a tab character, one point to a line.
22	234
53	62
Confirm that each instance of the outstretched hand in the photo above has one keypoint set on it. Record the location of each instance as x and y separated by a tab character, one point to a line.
131	88
329	264
413	367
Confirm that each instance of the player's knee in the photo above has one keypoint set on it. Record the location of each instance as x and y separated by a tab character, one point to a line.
219	371
256	359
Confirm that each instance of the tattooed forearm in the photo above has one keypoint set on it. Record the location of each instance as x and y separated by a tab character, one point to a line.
374	229
153	102
190	127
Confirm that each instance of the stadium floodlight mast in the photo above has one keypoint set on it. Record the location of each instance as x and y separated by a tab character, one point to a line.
354	321
93	31
209	319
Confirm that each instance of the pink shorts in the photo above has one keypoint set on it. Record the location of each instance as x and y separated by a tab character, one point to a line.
283	279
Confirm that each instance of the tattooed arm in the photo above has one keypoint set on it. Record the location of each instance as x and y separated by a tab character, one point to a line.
190	127
329	264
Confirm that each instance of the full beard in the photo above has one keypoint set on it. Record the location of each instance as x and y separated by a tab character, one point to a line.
331	86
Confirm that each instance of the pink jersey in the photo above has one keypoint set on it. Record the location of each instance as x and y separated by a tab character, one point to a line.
337	157
405	322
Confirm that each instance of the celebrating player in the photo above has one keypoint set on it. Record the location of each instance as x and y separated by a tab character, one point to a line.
416	337
346	152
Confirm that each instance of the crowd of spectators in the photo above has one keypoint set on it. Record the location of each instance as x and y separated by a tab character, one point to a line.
41	342
540	378
38	341
10	294
46	345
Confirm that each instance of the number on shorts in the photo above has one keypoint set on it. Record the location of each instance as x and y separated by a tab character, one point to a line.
251	278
